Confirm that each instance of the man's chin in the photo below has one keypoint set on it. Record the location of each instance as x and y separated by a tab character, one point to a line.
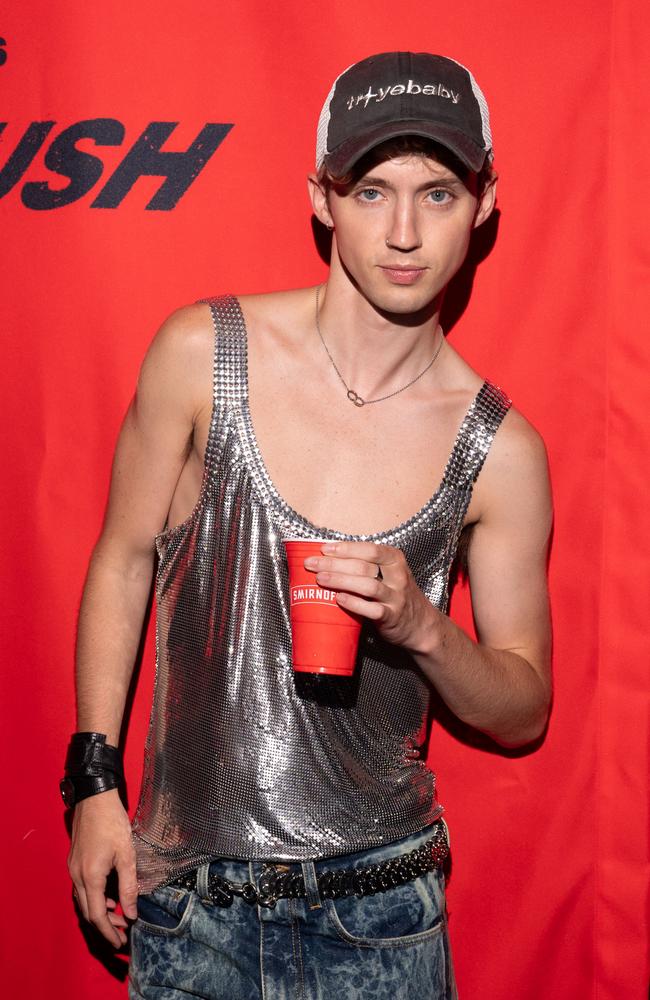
405	300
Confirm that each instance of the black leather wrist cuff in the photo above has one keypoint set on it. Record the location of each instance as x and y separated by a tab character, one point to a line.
89	754
76	789
91	766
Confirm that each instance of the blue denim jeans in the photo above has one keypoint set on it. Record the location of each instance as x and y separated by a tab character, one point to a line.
389	946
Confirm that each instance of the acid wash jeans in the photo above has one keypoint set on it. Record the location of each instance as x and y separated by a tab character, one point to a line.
390	946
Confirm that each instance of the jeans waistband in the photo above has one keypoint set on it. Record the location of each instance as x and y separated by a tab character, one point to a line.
362	873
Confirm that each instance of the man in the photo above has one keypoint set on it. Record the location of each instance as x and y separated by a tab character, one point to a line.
288	839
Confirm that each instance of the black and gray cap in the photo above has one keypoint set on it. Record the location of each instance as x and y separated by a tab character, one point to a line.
403	93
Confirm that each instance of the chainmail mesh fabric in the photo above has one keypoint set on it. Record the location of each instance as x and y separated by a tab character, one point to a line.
243	758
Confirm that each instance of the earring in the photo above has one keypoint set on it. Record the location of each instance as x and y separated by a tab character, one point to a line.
330	227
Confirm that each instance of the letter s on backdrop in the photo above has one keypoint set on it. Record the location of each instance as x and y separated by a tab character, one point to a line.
83	169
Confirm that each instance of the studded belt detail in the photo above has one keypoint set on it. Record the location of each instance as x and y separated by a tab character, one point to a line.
278	882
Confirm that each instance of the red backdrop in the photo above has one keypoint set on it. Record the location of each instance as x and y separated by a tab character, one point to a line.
547	894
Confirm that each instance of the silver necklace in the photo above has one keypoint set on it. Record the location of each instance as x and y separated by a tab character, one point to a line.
353	396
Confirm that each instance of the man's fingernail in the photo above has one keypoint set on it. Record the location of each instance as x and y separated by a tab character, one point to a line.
310	563
329	547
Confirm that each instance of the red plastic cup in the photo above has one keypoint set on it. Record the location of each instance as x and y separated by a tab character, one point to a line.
324	637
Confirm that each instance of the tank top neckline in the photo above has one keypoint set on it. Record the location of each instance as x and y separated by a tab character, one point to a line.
270	492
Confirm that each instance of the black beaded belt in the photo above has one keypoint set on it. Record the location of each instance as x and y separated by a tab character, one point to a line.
278	882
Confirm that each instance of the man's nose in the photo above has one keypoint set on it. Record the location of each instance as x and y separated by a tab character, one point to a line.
404	232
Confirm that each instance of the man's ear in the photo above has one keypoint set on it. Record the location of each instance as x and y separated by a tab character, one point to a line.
486	203
319	201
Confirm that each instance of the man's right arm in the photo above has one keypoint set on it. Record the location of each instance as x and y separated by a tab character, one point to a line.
157	437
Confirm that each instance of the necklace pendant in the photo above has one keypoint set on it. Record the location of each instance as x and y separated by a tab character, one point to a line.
355	398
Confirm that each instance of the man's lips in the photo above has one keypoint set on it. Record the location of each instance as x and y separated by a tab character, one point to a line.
402	275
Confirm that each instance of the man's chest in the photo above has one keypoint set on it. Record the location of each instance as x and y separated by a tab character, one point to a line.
352	470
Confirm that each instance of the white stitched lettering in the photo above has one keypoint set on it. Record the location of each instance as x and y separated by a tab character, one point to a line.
396	89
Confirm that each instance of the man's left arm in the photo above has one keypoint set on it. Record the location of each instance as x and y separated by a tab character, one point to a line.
501	684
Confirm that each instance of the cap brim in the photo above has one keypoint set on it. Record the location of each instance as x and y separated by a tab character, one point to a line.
340	160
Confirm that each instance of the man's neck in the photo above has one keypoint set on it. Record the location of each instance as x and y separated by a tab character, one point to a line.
374	350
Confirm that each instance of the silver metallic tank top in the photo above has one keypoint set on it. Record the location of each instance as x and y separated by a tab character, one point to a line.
243	758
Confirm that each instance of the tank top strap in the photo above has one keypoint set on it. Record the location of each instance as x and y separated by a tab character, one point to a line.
476	434
229	379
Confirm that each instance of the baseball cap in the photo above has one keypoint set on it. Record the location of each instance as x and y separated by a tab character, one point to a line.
403	93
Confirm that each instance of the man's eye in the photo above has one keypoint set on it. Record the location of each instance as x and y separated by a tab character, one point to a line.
369	194
440	196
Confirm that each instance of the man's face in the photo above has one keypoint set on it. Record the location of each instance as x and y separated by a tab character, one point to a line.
402	230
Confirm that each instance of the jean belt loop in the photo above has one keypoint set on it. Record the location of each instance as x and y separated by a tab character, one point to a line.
202	883
311	885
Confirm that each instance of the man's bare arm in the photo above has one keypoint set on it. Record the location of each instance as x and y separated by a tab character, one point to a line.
501	684
507	572
154	444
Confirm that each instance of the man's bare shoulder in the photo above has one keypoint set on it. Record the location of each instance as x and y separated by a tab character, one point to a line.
515	476
517	443
178	363
283	314
180	357
187	332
